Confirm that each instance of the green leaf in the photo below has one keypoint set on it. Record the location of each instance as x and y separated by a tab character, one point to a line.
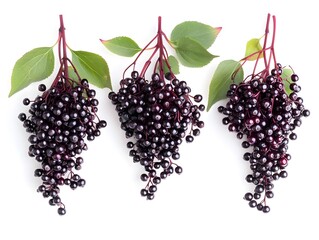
204	34
222	79
92	67
173	63
33	66
192	54
252	47
286	76
123	46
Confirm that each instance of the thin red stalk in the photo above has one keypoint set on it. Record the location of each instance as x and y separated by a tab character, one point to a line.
140	53
74	69
163	55
55	81
167	40
165	59
148	62
160	46
58	77
167	63
64	58
59	47
272	46
244	60
265	41
156	65
145	67
250	55
255	67
166	53
267	61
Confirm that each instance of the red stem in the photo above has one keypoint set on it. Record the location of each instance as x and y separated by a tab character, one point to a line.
138	56
265	41
75	71
272	46
59	47
64	58
158	47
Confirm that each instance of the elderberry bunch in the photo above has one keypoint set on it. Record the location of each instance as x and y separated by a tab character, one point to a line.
261	112
59	121
157	115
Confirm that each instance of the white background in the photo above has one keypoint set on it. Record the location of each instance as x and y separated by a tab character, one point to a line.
205	202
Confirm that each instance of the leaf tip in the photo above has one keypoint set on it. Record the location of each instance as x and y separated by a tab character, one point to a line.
12	92
218	29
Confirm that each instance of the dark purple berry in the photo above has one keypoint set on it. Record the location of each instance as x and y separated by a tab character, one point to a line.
42	87
61	211
26	101
198	98
294	77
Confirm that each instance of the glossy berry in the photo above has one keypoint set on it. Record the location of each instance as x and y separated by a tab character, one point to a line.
198	98
42	88
61	211
22	117
26	101
248	197
178	170
294	77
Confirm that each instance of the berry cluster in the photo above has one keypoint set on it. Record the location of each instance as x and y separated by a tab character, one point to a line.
158	115
261	111
59	121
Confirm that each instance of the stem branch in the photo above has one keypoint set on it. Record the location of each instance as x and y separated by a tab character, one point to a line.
267	59
159	47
